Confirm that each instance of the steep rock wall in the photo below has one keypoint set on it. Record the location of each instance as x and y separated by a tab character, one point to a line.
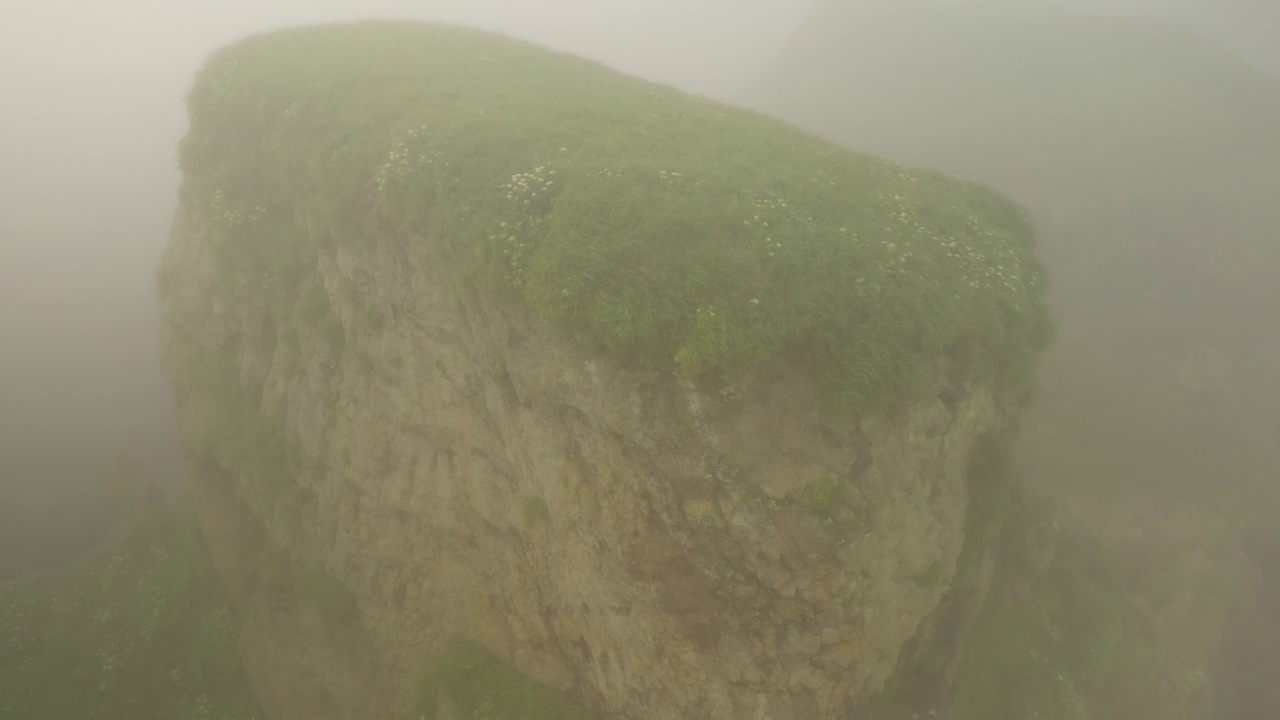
389	452
654	547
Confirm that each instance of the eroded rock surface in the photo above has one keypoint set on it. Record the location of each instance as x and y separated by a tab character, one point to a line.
656	549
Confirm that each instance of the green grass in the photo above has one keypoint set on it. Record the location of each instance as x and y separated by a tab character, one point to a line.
475	685
1042	652
662	228
1067	644
1149	165
141	629
825	492
1077	643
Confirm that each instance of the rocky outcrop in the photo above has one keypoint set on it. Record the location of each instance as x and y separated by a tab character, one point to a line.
657	548
388	453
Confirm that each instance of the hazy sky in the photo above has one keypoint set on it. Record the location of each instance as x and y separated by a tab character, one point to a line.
91	117
92	112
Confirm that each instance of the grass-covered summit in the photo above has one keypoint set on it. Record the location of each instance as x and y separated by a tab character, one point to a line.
668	229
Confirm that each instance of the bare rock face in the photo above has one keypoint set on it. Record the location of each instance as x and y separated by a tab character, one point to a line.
653	548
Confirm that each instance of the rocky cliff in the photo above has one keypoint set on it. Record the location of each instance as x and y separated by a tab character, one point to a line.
673	409
1157	428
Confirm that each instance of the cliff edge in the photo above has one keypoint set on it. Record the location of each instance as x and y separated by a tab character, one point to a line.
672	408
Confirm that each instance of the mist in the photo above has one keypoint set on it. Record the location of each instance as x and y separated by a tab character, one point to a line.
1249	28
93	114
94	111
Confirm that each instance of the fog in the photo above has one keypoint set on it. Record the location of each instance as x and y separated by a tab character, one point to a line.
1248	27
93	112
93	95
92	115
1144	145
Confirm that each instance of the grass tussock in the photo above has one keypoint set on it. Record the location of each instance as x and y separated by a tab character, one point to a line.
663	228
141	629
468	683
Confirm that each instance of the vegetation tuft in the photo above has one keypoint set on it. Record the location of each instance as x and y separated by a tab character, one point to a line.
826	492
474	685
665	229
141	629
1075	644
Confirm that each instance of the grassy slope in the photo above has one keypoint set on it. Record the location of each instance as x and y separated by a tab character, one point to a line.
141	629
1041	650
663	228
1117	134
1148	160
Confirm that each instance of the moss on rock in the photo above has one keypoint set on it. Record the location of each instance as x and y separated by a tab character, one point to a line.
663	228
474	685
